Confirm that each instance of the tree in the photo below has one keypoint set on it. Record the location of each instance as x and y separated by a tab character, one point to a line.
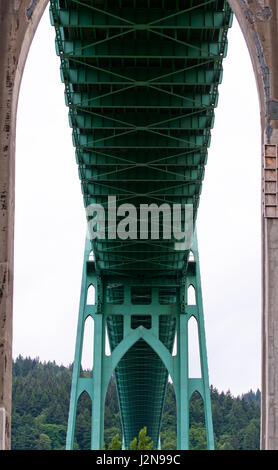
116	444
251	438
133	444
169	441
197	438
109	433
44	442
144	441
40	403
225	443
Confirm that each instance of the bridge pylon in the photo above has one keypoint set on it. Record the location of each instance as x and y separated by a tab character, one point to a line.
141	312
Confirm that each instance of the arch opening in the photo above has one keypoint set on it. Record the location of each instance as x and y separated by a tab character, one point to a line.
194	362
197	428
112	420
87	358
175	345
91	295
82	434
168	433
143	391
107	342
191	295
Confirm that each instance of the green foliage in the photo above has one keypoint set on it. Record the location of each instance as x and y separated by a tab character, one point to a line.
110	432
116	444
41	402
144	441
133	444
251	438
44	442
197	438
236	421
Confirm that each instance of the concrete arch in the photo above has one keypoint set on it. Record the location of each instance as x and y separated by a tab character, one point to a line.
259	24
18	23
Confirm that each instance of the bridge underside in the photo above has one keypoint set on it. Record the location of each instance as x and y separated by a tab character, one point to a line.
141	81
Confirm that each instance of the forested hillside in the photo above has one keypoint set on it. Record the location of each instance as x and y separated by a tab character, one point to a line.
41	401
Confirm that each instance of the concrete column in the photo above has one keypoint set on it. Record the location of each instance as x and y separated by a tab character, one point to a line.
18	22
259	23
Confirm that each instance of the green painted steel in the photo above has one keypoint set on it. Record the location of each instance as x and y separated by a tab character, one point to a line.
141	83
142	355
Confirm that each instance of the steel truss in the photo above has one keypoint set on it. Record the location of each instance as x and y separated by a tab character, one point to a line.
141	83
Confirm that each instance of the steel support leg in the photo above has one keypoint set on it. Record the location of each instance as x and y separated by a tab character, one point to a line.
203	350
92	385
185	385
77	357
97	439
181	384
177	366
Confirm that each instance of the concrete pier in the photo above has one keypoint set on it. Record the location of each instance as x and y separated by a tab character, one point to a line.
259	23
18	23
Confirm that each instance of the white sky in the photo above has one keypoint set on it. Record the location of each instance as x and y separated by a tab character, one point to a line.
50	220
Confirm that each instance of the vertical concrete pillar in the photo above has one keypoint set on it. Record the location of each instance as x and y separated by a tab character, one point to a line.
259	23
18	22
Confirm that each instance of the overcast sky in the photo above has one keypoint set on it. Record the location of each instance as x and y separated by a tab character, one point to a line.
50	221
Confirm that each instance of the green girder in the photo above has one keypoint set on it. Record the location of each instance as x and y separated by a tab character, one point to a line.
141	83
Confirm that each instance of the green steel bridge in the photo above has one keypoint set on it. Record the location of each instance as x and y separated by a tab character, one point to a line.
141	83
